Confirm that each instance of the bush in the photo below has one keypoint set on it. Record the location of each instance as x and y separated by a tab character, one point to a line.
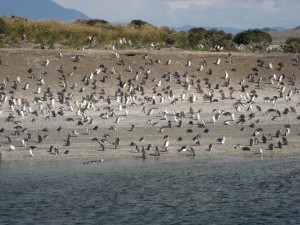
252	36
169	41
3	26
208	38
196	35
94	22
292	40
292	44
138	23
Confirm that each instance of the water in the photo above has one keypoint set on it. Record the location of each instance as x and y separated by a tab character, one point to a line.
165	191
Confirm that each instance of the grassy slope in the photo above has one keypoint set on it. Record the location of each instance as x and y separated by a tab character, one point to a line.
279	37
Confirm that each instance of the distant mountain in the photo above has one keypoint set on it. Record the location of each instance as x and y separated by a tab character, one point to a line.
183	28
297	28
39	9
273	29
225	29
267	29
230	30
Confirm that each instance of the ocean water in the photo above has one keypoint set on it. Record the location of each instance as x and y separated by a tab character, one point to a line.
227	190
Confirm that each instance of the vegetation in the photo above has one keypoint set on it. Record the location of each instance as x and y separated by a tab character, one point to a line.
3	26
138	23
292	45
280	37
94	33
255	37
215	39
292	40
95	22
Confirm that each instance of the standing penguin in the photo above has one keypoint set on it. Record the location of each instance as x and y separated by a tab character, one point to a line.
102	148
143	153
117	142
68	142
157	151
251	142
264	139
40	139
193	151
284	140
8	139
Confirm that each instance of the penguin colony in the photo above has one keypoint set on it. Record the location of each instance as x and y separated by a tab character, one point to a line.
147	103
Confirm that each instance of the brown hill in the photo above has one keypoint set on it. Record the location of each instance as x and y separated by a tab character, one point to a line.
279	37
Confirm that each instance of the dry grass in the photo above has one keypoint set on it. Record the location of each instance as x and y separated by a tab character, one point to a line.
77	34
279	37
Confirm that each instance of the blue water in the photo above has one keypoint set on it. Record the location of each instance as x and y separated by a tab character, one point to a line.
165	191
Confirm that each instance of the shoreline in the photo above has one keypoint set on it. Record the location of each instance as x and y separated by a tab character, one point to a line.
93	160
157	159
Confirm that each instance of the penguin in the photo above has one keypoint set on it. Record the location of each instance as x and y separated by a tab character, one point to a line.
40	139
102	147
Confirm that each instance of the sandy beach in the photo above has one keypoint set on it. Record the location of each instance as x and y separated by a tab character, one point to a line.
154	96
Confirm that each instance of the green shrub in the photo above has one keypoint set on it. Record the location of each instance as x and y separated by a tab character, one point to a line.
208	38
138	23
253	36
293	40
169	41
93	22
292	45
3	26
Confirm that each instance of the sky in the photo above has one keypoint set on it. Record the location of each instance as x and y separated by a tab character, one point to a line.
242	14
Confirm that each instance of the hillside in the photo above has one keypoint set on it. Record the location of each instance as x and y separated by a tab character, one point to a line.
279	37
41	9
141	101
297	28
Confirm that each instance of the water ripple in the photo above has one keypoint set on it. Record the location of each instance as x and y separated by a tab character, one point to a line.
204	191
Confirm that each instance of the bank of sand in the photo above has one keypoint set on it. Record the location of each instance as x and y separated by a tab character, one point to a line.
16	62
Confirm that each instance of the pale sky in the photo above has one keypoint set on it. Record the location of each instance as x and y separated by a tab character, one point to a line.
173	13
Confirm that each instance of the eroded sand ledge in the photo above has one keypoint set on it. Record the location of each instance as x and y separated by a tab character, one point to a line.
161	122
